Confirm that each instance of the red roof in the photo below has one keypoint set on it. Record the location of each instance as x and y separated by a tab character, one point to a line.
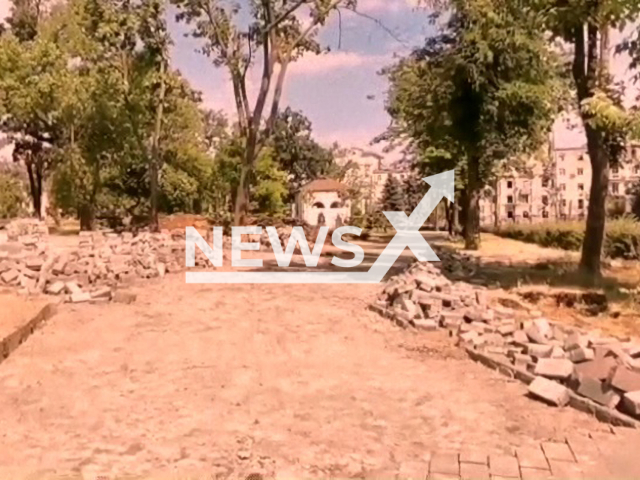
324	185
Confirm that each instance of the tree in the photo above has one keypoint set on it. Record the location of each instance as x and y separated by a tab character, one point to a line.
275	36
414	189
586	25
393	196
484	90
12	193
297	152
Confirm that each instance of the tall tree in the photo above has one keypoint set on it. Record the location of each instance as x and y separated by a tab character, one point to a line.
586	26
393	195
275	37
297	152
484	90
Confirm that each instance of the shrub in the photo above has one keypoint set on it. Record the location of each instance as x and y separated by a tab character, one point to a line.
622	238
12	196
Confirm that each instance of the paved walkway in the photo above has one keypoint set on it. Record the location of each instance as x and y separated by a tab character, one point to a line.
290	382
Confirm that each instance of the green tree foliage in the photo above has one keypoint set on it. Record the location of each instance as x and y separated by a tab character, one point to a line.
12	194
103	114
268	33
297	152
393	195
483	90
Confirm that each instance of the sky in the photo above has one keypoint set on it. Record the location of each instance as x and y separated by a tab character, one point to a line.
331	89
340	91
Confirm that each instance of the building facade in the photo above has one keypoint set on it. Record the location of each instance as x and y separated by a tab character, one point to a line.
558	188
371	175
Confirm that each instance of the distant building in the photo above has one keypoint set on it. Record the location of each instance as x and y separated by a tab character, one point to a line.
323	202
372	174
558	188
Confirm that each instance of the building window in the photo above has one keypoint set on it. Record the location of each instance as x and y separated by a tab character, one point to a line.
636	169
318	205
545	183
581	158
562	157
563	203
580	204
563	187
525	214
545	214
509	199
562	171
509	214
615	170
523	198
581	171
336	205
615	188
545	200
581	187
509	184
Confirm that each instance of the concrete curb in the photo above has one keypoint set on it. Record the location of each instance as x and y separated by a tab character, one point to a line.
604	414
12	341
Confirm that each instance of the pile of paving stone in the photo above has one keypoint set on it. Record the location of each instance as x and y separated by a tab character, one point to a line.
605	370
91	272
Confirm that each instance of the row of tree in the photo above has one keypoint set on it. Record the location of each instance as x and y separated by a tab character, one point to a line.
485	90
92	106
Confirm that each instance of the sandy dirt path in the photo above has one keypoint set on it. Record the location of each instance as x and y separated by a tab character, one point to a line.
226	380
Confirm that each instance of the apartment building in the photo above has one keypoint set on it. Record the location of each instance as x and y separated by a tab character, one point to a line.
372	174
558	188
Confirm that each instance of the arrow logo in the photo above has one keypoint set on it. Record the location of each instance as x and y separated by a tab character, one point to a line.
407	235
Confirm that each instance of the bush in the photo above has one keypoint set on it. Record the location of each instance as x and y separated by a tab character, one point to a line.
622	237
12	196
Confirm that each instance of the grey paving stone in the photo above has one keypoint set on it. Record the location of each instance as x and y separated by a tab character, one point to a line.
504	466
557	451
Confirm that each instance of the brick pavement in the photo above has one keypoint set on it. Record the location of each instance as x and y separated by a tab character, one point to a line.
595	456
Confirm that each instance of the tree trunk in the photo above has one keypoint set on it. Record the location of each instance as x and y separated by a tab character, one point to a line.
35	188
87	216
242	197
155	153
496	205
596	216
437	217
472	213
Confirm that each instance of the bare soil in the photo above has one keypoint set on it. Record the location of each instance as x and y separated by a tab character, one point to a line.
225	380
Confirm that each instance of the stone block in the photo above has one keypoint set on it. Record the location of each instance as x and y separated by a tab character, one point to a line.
34	263
520	337
625	380
544	327
581	354
104	292
539	351
10	276
72	287
599	368
598	392
55	288
507	329
549	391
80	297
426	325
535	335
575	340
631	403
554	368
504	466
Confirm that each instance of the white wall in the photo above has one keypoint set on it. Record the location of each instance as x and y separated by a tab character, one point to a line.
311	212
